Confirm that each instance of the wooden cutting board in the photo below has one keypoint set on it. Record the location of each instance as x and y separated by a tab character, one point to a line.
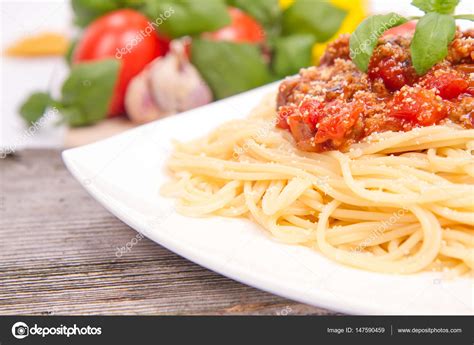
87	135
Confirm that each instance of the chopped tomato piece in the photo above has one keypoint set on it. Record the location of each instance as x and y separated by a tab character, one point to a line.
339	119
418	105
394	73
465	68
312	111
449	85
340	105
283	112
300	130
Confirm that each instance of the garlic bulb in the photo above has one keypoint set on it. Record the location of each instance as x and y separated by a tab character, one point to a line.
168	85
139	102
176	84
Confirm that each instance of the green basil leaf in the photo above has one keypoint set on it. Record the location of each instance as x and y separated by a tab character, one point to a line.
317	17
439	6
291	54
70	51
465	16
85	11
73	116
266	12
365	37
429	45
229	68
87	93
35	106
176	18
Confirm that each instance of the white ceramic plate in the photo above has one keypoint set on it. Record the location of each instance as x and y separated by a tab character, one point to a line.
124	173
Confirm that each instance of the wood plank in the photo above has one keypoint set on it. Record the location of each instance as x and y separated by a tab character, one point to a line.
58	256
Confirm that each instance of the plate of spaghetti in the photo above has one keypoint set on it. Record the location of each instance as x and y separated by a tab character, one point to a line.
341	188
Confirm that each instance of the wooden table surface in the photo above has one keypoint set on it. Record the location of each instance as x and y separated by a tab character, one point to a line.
58	256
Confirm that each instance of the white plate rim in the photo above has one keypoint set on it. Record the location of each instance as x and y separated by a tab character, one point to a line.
322	299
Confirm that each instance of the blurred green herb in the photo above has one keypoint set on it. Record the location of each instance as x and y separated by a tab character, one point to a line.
35	106
85	95
229	68
70	51
188	17
85	11
317	17
266	12
291	53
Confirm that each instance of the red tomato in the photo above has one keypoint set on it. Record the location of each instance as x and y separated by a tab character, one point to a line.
243	28
449	85
418	105
312	112
394	73
283	113
126	35
339	119
393	70
163	45
407	28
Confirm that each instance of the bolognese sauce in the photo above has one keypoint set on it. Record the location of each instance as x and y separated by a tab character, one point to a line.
333	105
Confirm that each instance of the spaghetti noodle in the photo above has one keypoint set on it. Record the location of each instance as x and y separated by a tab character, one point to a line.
397	202
374	170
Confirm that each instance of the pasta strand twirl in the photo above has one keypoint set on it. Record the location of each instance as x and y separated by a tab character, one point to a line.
396	203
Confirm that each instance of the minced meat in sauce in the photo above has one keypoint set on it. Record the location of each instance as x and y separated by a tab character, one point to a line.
333	105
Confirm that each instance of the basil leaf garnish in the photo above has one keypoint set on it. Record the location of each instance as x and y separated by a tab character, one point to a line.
439	6
365	37
465	16
429	45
